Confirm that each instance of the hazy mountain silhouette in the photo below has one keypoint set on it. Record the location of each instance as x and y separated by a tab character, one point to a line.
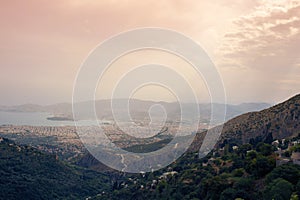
138	109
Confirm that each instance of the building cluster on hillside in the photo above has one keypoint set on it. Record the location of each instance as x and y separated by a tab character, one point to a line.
289	154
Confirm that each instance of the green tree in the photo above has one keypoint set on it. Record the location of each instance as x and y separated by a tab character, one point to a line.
298	188
288	172
264	149
260	166
245	184
279	189
229	193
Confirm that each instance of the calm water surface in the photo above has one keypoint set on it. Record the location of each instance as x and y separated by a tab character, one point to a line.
34	119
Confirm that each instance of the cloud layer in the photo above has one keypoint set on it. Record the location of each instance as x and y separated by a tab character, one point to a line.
263	47
254	44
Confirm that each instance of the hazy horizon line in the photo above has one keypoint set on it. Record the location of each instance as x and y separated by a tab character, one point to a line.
144	100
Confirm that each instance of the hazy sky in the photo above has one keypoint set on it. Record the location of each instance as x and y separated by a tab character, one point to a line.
255	44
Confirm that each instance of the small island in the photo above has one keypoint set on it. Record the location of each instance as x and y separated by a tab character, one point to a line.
60	118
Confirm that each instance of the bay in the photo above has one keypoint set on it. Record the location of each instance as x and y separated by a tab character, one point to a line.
35	119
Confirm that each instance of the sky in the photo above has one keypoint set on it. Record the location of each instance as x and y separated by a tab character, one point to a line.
254	44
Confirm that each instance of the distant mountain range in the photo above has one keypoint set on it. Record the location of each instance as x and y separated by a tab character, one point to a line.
138	109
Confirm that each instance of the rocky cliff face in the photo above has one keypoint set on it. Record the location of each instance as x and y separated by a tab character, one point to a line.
278	122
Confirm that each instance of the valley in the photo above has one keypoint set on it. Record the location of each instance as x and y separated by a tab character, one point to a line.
256	154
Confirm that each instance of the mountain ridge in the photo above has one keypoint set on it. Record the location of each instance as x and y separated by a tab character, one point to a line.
277	122
138	109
